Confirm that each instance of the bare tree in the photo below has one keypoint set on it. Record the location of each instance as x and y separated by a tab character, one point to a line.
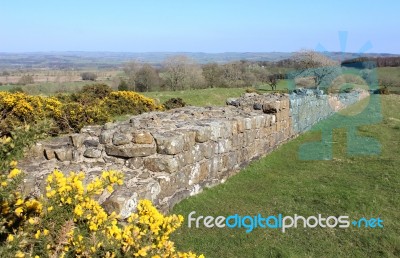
212	73
272	81
147	78
26	79
313	64
232	74
182	72
130	70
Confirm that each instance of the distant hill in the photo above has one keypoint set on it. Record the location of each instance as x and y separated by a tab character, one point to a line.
107	60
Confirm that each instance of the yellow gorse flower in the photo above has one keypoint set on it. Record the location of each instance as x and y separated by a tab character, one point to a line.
84	228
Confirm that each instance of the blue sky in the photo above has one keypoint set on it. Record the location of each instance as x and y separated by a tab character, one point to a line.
197	26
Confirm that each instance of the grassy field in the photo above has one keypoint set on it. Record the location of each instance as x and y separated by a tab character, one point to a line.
357	186
202	97
393	74
207	97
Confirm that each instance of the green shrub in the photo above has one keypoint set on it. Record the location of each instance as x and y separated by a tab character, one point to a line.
12	146
89	76
174	103
384	90
123	86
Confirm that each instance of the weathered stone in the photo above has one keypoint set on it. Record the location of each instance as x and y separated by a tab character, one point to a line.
171	183
203	133
91	143
233	102
92	130
120	139
271	108
142	138
77	139
122	202
189	138
224	145
106	137
169	143
162	163
257	106
49	153
63	154
108	126
131	150
185	158
247	123
134	163
199	172
207	149
113	160
92	153
240	125
37	150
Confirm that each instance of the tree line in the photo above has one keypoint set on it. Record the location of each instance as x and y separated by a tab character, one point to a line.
371	62
183	73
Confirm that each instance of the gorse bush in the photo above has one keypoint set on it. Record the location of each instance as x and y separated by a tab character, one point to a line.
68	221
12	146
129	102
94	104
76	115
89	76
96	91
19	109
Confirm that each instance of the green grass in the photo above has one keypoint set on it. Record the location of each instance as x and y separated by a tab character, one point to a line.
393	74
50	88
203	97
208	97
357	186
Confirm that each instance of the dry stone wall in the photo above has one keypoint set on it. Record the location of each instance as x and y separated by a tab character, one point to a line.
168	156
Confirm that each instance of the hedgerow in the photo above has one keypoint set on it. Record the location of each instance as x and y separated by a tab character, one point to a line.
68	221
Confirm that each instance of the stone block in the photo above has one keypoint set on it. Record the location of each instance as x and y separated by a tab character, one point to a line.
186	158
106	136
120	139
77	139
198	172
63	154
134	163
91	143
142	137
203	133
189	138
49	153
171	183
240	125
247	123
162	163
92	130
271	107
169	143
131	150
92	153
